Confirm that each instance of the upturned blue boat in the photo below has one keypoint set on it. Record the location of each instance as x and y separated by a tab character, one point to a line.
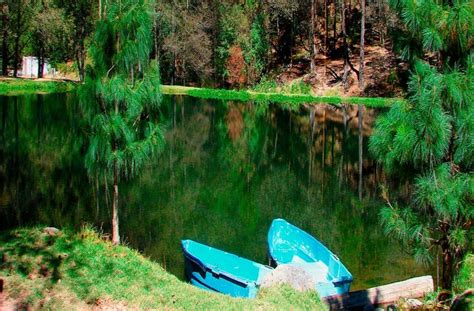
212	269
288	244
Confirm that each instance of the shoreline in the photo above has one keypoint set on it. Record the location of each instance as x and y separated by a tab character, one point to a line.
19	86
282	98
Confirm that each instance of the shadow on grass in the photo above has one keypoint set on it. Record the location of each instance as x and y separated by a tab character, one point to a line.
358	300
31	254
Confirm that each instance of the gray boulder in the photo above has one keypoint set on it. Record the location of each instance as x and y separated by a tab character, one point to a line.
295	276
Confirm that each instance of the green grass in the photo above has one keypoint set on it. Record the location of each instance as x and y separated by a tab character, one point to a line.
297	86
80	270
465	277
291	97
27	86
289	100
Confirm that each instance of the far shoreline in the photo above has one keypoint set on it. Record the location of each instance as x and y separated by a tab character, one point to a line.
22	86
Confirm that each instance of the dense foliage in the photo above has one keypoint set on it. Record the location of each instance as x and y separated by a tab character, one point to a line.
194	41
433	133
54	30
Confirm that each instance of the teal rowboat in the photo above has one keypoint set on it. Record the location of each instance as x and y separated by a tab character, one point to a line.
212	269
288	244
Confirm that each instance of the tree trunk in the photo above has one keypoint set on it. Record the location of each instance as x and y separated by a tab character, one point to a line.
447	273
362	52
383	29
40	58
345	48
292	39
311	36
80	53
115	219
361	141
16	55
39	73
80	65
334	23
326	25
5	32
96	196
40	64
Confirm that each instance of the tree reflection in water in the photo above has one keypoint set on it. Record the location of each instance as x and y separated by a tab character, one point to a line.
227	171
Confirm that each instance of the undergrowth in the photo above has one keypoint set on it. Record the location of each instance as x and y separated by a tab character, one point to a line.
465	277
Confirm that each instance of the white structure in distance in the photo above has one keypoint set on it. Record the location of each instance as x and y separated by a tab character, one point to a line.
30	67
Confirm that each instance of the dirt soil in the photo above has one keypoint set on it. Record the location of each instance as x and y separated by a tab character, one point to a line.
383	73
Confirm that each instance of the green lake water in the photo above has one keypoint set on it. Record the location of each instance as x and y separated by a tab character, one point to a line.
227	170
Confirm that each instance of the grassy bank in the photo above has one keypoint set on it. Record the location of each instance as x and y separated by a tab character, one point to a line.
28	86
82	271
291	100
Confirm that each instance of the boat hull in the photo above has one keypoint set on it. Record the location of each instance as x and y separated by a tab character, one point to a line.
215	270
288	244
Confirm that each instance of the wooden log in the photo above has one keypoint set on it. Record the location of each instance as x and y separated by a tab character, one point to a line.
382	295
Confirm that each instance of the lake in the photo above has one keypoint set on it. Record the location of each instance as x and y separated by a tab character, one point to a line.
227	170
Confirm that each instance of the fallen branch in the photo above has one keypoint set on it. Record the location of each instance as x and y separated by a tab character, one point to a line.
334	74
352	67
382	295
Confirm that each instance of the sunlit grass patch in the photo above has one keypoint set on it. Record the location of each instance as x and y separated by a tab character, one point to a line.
296	96
28	86
81	270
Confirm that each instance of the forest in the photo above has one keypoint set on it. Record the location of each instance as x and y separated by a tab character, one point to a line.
208	119
263	44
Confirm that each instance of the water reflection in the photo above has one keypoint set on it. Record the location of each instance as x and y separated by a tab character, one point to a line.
227	171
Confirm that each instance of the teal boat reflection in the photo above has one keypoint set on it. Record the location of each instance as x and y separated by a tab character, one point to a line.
212	269
288	244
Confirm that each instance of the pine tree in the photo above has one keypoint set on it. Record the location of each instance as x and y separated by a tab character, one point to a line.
122	96
433	132
255	51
